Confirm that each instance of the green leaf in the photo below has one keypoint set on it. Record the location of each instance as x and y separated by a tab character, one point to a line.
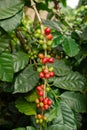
42	6
60	68
27	128
14	22
63	2
70	46
4	44
20	60
6	67
72	81
30	128
26	80
8	8
57	40
31	96
65	119
25	107
84	34
77	101
52	114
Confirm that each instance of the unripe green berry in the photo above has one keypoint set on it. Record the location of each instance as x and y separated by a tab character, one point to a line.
44	46
41	121
37	121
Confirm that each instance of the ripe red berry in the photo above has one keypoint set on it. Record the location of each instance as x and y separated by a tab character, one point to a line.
44	60
46	107
47	75
52	74
45	101
51	60
40	93
41	75
49	37
47	31
49	102
38	88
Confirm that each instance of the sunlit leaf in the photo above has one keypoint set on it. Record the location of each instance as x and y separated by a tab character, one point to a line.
25	107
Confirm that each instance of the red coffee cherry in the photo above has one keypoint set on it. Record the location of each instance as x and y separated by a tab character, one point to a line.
47	31
47	75
49	37
51	60
40	93
52	74
38	88
45	60
41	75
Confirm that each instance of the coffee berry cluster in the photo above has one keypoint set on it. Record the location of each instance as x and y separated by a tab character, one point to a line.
45	72
42	102
40	38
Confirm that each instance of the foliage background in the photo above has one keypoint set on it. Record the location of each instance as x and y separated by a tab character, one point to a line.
18	78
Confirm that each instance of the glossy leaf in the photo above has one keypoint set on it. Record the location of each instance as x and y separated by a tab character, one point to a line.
25	107
52	114
60	68
72	81
70	46
6	67
26	80
8	8
14	22
20	60
77	101
65	119
4	44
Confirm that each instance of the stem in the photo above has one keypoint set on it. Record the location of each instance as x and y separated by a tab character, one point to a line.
42	31
40	127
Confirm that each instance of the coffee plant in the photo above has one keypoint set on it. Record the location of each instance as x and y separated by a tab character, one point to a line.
43	72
